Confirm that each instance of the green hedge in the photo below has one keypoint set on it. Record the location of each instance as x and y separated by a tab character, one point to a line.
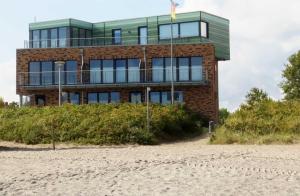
266	122
95	124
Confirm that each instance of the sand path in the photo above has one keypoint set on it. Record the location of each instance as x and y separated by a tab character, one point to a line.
186	168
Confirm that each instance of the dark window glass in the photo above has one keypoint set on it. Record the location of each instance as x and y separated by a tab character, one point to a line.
54	40
166	98
62	34
75	37
115	97
133	70
44	38
88	38
143	35
108	71
64	97
189	29
36	39
165	31
71	72
82	37
62	74
204	29
103	97
34	73
95	71
92	98
178	97
136	97
168	69
183	69
157	69
155	97
74	98
120	71
117	36
47	73
40	100
196	66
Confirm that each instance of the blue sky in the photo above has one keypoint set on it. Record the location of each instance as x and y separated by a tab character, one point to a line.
263	34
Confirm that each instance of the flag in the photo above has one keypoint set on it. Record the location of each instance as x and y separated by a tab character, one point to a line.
173	9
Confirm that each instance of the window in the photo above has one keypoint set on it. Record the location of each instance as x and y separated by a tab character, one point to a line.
166	98
178	97
108	71
88	36
168	73
34	73
183	69
62	74
155	97
116	34
92	98
103	98
74	98
53	36
120	71
95	71
44	38
75	36
47	73
196	68
71	72
82	37
114	97
165	31
40	100
204	29
62	34
136	97
189	29
36	39
143	35
157	69
133	70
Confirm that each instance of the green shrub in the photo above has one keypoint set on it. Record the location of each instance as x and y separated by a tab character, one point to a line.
95	124
265	122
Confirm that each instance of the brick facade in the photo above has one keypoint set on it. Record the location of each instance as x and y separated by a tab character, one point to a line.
199	98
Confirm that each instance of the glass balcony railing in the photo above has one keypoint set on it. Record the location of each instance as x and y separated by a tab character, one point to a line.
112	77
108	41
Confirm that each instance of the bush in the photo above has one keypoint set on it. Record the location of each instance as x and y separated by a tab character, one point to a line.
266	122
95	124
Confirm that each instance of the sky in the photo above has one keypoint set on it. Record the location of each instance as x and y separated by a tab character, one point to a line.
263	34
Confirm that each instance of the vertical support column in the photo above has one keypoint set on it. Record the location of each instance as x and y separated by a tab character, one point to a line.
21	100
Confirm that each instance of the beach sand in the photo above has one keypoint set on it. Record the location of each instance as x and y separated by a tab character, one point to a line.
184	168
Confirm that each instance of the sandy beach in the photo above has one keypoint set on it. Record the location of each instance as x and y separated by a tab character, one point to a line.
185	168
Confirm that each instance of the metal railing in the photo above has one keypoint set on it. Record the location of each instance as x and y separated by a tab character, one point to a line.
109	76
109	41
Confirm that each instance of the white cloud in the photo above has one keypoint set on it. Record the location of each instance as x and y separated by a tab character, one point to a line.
263	35
8	81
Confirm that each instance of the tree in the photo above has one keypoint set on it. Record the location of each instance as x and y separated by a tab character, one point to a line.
256	96
2	104
223	115
291	75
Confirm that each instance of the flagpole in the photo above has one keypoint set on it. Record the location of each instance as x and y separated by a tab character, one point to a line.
172	74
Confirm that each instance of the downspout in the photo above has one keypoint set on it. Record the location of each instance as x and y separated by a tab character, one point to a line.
81	74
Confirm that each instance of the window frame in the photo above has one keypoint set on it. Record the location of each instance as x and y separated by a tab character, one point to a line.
207	29
114	37
139	35
137	92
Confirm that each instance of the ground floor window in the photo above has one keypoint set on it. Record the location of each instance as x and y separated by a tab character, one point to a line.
165	97
40	100
73	98
103	97
136	97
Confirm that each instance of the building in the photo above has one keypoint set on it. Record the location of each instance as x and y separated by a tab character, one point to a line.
115	61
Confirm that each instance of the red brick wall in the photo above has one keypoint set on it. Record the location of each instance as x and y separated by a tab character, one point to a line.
202	98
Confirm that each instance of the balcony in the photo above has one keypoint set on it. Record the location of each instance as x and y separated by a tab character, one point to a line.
109	41
111	78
